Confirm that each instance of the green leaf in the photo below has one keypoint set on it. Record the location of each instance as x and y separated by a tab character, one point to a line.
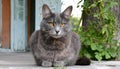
93	5
93	46
96	15
112	52
118	50
64	68
107	56
104	29
98	56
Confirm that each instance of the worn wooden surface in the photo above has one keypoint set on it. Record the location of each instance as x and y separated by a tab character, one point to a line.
5	23
0	22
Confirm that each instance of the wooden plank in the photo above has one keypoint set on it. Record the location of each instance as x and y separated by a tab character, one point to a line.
19	23
0	21
5	23
29	1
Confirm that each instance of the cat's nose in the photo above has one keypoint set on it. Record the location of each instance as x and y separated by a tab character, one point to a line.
57	32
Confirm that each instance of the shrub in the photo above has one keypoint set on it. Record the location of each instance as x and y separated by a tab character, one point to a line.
98	39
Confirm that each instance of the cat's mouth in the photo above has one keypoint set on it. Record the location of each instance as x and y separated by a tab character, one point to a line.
56	36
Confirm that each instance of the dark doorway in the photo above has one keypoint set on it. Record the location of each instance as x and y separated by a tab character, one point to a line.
31	17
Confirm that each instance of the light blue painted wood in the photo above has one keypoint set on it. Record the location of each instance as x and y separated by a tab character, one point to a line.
55	5
18	25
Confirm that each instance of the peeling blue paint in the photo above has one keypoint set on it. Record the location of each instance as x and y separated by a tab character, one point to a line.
18	25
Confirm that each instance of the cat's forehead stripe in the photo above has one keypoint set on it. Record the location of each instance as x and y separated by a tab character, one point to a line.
57	17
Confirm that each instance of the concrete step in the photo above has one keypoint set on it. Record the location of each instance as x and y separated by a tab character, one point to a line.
26	61
69	67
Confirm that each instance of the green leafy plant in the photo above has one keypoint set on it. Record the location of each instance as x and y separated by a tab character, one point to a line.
97	39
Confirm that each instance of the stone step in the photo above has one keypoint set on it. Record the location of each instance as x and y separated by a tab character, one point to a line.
69	67
26	61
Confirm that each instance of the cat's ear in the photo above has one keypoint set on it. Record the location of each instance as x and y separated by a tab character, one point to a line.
46	11
67	12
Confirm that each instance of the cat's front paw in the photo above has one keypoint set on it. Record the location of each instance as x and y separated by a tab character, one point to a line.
46	64
58	64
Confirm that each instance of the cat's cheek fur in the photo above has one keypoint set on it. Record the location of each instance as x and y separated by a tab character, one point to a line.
67	28
51	32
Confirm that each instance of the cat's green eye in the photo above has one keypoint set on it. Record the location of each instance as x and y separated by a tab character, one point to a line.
51	24
62	24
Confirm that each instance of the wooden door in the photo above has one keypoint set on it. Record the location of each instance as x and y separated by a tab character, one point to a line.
5	24
0	22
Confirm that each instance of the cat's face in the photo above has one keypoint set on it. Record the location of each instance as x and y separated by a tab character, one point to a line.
56	25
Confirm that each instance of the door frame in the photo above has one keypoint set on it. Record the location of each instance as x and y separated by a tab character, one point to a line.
6	7
5	24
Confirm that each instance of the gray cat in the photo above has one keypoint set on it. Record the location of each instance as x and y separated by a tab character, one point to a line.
55	44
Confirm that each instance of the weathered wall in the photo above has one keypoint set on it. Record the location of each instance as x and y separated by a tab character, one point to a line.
55	5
